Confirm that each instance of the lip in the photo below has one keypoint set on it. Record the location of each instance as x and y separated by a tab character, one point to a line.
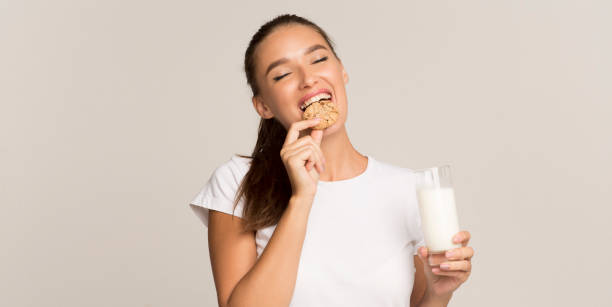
317	92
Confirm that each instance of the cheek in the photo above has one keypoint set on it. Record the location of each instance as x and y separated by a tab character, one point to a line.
336	78
283	101
332	73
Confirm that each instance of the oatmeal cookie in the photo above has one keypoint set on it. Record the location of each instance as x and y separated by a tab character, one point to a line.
324	109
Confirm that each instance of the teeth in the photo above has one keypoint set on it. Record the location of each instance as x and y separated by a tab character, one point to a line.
315	99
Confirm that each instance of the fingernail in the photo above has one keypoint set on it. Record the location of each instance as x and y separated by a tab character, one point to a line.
449	254
457	239
445	266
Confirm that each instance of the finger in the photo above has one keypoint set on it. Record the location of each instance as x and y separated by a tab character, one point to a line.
309	165
320	165
300	142
317	151
458	274
299	156
462	265
316	164
317	136
296	127
306	142
305	155
317	159
436	259
462	237
460	253
303	141
320	157
430	260
422	252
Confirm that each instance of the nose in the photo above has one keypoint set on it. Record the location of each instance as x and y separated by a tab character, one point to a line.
309	79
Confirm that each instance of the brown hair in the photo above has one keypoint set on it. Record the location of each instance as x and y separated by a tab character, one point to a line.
266	186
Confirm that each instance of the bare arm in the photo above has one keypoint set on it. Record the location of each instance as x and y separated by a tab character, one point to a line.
420	283
420	296
270	280
232	252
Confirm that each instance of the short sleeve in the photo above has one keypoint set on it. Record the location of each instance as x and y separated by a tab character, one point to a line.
220	190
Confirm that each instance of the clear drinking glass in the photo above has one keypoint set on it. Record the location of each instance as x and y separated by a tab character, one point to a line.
436	199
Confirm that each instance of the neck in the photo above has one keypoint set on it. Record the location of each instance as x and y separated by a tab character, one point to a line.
343	161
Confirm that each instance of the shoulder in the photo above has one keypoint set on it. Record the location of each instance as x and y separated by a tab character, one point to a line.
226	177
220	190
233	169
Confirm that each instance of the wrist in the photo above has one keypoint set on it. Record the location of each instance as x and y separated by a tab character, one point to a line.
301	201
431	299
301	198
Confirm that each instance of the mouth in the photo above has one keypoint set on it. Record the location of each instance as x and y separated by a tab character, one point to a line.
325	95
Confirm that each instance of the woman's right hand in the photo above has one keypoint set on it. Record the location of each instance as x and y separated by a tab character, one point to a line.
299	156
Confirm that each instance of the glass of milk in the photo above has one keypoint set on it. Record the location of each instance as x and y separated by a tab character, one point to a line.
436	199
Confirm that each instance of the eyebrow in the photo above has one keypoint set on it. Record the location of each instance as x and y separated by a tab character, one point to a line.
285	60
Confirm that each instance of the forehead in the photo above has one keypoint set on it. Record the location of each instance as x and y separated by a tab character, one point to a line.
287	42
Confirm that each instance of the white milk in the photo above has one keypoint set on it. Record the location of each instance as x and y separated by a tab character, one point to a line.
439	219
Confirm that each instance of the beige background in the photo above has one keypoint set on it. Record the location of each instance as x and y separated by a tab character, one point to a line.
114	114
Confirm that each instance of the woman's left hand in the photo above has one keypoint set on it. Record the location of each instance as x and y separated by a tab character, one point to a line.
455	267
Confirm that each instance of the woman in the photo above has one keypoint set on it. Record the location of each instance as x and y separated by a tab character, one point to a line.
319	224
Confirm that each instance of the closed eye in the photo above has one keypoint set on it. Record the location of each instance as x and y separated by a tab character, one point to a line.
280	77
320	60
315	62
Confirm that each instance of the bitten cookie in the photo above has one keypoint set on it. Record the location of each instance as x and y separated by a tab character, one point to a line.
324	109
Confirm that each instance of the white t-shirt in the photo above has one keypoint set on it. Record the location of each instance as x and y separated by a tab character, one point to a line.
361	237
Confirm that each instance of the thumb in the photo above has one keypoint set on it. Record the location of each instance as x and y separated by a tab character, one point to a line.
317	136
423	253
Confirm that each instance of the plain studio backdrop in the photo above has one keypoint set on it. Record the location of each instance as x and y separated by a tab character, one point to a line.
114	114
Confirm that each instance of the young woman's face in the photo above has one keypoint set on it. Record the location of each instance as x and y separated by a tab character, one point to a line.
291	64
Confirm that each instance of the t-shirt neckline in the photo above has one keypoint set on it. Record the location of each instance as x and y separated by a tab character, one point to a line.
352	179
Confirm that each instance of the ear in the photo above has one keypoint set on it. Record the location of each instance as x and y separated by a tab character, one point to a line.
345	76
262	109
